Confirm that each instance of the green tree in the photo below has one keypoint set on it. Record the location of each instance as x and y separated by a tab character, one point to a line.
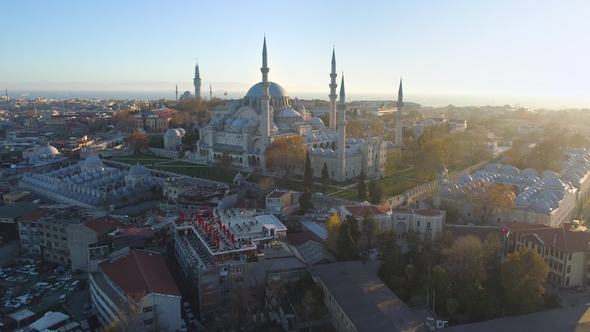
393	163
325	178
451	211
308	174
345	245
524	273
464	261
354	227
375	192
305	202
389	254
452	306
361	189
439	283
369	226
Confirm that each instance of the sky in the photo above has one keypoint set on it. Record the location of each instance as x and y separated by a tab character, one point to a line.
534	53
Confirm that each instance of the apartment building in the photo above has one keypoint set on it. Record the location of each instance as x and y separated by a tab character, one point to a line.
92	232
136	278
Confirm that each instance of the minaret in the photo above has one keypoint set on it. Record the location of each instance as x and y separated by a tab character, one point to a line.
332	95
210	92
197	81
176	92
7	97
399	116
265	99
341	170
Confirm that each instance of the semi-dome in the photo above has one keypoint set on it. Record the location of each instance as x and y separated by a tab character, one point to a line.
328	152
274	90
47	150
350	140
283	126
316	122
287	113
172	132
229	121
138	170
217	121
238	123
251	124
92	161
181	131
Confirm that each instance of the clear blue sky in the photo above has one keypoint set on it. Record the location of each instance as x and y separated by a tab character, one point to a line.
474	52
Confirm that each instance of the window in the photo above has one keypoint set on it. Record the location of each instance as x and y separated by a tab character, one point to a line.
55	228
61	259
49	243
569	269
147	309
64	238
48	235
148	321
428	225
55	236
222	280
63	230
41	233
570	257
417	223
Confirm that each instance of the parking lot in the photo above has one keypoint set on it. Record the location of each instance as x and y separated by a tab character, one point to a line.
75	299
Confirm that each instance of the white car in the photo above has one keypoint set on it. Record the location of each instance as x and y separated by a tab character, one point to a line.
11	279
13	305
67	277
57	285
33	273
21	279
183	327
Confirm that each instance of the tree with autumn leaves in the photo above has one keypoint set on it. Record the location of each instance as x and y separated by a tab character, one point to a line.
490	200
138	141
285	155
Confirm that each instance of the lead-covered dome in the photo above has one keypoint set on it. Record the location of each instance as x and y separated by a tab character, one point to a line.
274	90
287	113
48	150
172	132
92	162
138	170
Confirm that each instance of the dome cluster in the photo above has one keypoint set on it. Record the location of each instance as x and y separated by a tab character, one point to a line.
541	193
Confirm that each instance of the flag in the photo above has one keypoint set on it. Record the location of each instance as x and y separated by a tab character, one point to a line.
225	93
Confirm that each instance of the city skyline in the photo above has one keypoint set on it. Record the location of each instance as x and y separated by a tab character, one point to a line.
473	54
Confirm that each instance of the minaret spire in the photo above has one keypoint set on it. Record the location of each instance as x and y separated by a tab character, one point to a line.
341	154
210	92
399	116
197	80
332	95
265	98
7	97
176	92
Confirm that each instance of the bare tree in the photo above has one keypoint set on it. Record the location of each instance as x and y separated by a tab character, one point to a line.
136	315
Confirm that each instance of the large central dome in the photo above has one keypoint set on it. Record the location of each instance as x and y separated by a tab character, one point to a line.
275	90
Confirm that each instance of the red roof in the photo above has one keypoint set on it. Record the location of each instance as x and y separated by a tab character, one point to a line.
141	272
559	238
102	224
360	210
134	231
35	215
276	194
480	232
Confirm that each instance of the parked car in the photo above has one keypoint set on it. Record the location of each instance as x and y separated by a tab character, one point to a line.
87	308
64	298
11	304
57	285
81	284
67	277
183	327
22	279
3	275
11	279
186	307
33	273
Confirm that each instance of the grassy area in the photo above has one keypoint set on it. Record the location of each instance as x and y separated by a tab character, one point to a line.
144	159
391	187
197	170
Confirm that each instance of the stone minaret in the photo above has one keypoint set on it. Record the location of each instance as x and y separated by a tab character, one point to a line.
210	92
332	95
176	92
265	99
399	116
197	81
341	171
7	97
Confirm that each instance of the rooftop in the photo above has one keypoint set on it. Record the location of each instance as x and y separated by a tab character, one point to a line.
102	224
360	210
16	210
365	300
276	194
140	272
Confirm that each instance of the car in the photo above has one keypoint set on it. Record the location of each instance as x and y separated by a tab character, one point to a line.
22	279
67	277
64	298
87	308
57	285
33	273
12	291
183	327
187	307
14	305
576	289
196	323
3	275
190	316
11	279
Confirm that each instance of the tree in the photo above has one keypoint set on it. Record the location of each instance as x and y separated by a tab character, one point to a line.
354	227
375	192
492	199
138	141
332	227
451	211
305	202
225	161
131	316
361	189
393	163
355	128
369	226
285	154
265	184
325	178
464	261
452	306
389	254
345	245
439	284
308	174
523	275
410	272
546	155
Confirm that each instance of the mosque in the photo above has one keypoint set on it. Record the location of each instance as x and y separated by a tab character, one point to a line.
550	198
90	184
266	113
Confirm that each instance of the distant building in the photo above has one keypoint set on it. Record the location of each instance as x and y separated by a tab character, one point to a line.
282	202
139	276
85	234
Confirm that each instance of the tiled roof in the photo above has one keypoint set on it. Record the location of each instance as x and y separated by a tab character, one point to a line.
141	272
36	214
102	224
480	232
276	194
559	238
360	210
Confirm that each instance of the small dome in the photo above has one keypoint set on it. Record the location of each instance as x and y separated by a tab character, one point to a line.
531	180
527	172
181	131
216	122
541	206
521	200
273	126
510	170
328	152
549	174
316	122
238	123
92	162
504	178
229	121
251	124
287	113
318	151
493	168
138	170
360	141
445	191
465	178
350	140
47	150
172	132
418	131
517	179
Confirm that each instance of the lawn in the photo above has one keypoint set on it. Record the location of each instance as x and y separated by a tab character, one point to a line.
197	170
144	159
391	187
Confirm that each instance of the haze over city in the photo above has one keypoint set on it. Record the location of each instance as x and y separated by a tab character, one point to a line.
460	52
